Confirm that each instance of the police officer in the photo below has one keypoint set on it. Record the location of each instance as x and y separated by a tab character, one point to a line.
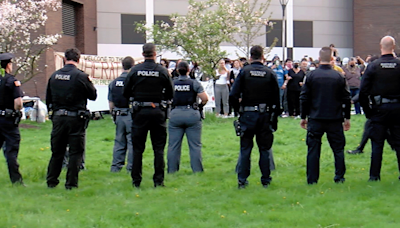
119	107
10	104
185	117
149	85
325	100
66	97
380	100
257	85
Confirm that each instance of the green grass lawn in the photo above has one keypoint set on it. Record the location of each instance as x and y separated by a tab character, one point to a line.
209	199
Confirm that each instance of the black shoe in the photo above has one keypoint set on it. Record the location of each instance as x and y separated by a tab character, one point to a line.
19	183
136	185
266	185
51	186
242	185
115	170
338	181
356	151
70	187
156	185
371	179
312	183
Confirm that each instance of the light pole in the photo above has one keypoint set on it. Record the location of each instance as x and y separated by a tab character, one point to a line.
283	4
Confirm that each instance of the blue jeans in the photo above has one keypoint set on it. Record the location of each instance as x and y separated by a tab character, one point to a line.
354	92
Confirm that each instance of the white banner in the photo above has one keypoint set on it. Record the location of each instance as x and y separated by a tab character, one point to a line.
209	89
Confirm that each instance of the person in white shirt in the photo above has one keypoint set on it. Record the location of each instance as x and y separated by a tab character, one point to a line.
222	89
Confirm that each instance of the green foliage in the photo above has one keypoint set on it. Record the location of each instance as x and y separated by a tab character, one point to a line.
209	199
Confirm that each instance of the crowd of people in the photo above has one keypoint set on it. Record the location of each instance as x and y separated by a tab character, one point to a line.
319	92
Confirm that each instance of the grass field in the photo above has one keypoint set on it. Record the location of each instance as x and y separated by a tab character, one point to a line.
209	199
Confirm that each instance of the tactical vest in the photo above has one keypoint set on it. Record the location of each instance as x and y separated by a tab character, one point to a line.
386	78
117	89
6	94
257	86
64	92
184	92
148	88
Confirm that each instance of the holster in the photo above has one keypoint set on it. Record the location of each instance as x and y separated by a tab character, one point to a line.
85	115
166	107
238	128
16	115
377	100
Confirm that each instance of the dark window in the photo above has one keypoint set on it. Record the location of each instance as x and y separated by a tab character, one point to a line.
275	32
68	19
303	33
129	33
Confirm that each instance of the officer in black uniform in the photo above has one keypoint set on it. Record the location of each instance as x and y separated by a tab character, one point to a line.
325	100
380	99
186	118
149	85
66	97
257	85
119	107
10	104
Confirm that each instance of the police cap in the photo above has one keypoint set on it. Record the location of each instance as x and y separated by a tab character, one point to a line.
6	56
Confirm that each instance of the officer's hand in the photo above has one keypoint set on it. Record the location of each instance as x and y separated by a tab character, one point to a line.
283	86
303	123
301	83
346	125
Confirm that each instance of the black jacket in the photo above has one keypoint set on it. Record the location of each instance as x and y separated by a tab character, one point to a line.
382	77
149	82
69	88
324	94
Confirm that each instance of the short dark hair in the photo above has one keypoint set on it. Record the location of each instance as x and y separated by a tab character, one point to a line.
4	63
256	52
325	54
183	68
149	49
72	54
128	62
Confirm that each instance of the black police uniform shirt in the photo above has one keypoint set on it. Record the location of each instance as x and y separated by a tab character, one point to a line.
116	90
69	88
323	95
186	90
256	84
9	91
381	78
148	82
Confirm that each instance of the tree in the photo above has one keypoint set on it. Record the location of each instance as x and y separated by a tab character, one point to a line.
198	35
248	17
20	33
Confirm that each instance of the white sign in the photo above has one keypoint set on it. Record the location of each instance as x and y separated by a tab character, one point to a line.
209	89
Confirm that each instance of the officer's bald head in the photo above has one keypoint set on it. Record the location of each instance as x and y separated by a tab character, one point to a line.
325	55
387	45
149	50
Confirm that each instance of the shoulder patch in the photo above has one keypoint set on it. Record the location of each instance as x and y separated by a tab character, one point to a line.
17	83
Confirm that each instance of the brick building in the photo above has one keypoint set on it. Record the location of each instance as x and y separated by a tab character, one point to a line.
372	20
77	22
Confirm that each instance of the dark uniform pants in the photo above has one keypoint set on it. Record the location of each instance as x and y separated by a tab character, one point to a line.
66	130
122	143
293	101
184	121
144	120
337	141
255	123
9	133
385	117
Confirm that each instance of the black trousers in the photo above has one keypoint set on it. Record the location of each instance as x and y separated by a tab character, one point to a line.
67	130
293	101
337	141
255	123
385	117
145	120
9	133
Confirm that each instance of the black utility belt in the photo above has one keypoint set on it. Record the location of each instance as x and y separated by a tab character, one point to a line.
388	101
257	108
185	107
120	112
9	113
378	100
145	104
64	112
